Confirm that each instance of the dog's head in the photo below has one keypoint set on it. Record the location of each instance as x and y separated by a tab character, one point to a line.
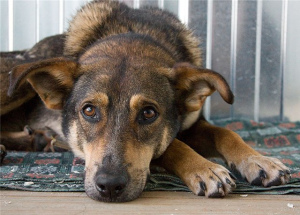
123	102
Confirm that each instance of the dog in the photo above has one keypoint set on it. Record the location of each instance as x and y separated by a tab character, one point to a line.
127	91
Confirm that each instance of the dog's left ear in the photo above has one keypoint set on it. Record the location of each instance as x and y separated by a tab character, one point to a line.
194	84
52	79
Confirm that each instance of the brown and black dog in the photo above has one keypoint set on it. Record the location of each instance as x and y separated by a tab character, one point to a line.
127	91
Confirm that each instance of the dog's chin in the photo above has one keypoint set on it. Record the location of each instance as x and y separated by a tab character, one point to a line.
131	192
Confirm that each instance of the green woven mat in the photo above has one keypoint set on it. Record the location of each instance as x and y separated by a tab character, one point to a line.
64	172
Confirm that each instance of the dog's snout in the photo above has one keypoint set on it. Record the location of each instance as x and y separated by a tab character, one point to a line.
110	186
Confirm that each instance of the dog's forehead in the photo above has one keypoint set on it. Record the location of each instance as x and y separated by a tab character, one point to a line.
121	79
126	65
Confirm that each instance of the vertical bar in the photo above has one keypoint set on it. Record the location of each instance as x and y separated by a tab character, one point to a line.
24	21
37	31
11	25
257	60
209	52
148	3
61	16
283	53
245	59
171	6
183	11
292	64
209	34
161	4
234	14
270	89
4	25
198	23
221	46
136	4
48	18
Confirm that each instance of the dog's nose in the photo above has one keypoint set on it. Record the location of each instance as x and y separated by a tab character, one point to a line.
110	186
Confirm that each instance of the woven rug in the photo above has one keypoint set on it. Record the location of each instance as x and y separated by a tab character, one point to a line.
64	172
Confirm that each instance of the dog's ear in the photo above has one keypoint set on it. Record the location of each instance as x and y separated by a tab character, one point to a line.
194	84
52	79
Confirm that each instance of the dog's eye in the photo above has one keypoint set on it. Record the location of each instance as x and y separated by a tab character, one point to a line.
147	115
90	113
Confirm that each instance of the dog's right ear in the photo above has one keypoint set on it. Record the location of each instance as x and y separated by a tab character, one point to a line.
52	79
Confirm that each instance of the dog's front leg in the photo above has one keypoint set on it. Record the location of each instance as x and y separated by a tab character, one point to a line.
199	174
211	140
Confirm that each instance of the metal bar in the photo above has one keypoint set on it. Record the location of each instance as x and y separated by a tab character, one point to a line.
61	16
37	31
161	4
221	46
136	4
183	11
207	106
10	25
209	34
234	15
283	54
257	59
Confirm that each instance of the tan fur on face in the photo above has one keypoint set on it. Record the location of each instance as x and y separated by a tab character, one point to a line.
136	103
137	100
163	144
94	153
99	98
138	158
73	141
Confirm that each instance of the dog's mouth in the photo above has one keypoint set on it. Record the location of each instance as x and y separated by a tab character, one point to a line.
115	188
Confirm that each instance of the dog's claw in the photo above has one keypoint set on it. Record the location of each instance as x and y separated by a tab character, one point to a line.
276	182
281	173
232	176
202	190
219	184
203	186
257	182
229	182
262	174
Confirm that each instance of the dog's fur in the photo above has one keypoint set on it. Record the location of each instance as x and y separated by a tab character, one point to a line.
128	90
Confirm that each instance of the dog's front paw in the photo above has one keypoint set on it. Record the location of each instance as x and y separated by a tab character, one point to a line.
211	180
264	171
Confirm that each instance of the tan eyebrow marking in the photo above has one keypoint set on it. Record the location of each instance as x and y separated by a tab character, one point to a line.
138	99
102	98
98	98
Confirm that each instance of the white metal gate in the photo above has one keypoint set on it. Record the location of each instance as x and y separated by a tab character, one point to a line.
254	44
